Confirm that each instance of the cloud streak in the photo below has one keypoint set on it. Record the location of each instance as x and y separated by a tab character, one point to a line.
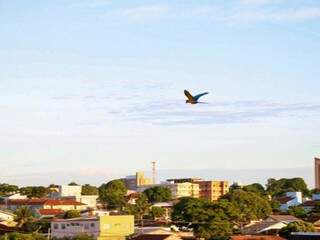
144	11
173	113
276	16
243	11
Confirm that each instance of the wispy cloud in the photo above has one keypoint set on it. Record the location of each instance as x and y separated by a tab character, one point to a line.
173	113
144	11
276	15
258	2
89	3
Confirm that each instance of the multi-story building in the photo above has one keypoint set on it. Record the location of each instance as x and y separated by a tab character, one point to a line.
183	189
212	190
183	180
103	227
132	182
317	172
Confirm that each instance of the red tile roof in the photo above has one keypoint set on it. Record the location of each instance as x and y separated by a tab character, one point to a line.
310	203
37	201
282	218
63	202
151	237
43	201
284	200
50	212
256	237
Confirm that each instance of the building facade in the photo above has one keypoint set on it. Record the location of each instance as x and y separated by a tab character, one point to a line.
317	172
183	189
104	227
36	204
132	182
213	190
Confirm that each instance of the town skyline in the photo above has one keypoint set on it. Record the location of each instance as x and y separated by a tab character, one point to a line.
95	88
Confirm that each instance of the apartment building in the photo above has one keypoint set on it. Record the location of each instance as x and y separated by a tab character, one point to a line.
212	190
103	227
183	189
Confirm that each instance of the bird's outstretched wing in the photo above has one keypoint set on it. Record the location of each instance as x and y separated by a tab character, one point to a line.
188	95
199	96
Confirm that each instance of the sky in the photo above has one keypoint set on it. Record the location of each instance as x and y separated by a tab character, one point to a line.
95	87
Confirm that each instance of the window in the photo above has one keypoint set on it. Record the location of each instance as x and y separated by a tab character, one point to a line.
63	226
92	225
86	226
55	226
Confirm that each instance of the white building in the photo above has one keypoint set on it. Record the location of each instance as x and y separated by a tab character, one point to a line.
74	192
62	228
289	200
69	191
104	227
6	216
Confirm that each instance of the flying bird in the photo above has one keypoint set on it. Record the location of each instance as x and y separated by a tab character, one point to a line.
193	99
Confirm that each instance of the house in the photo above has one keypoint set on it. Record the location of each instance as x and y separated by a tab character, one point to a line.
315	220
157	237
43	203
304	236
167	206
74	193
256	237
289	200
282	218
132	197
159	233
309	205
49	213
6	198
264	227
6	215
103	227
6	227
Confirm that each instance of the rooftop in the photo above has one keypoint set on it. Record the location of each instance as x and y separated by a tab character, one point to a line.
43	201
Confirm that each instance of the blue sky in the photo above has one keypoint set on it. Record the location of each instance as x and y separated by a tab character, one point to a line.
95	87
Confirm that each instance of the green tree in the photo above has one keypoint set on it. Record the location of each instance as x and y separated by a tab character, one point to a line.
113	193
255	187
157	212
34	191
87	189
298	226
83	237
208	219
21	236
316	208
73	184
275	205
158	194
283	185
249	205
71	214
6	189
297	211
141	207
23	215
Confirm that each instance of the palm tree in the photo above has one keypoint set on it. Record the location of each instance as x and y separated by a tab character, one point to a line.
23	216
142	207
